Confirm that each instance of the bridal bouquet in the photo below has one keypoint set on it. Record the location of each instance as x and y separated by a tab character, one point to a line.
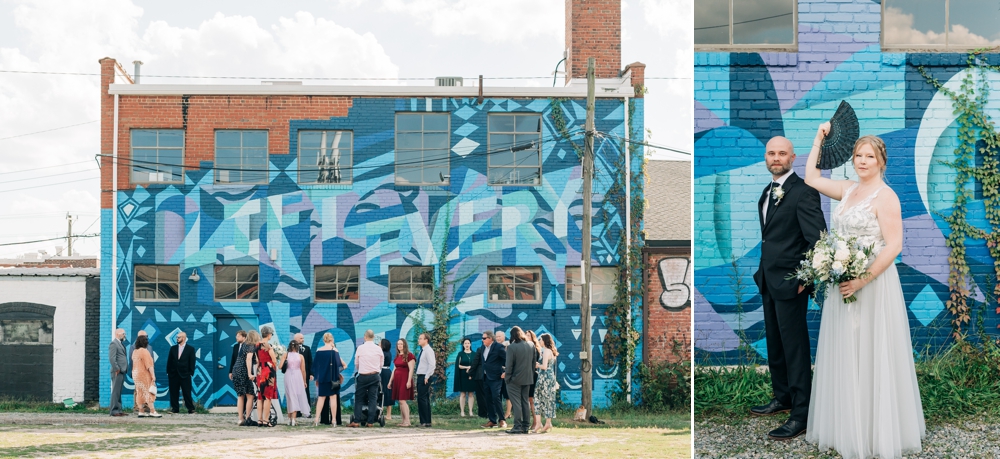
835	259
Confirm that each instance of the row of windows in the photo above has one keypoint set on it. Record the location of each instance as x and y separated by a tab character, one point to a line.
423	145
930	24
407	284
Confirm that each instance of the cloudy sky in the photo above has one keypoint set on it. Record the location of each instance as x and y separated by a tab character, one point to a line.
45	174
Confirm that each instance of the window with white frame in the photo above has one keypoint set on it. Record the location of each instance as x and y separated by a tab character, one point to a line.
337	283
742	23
325	156
411	284
157	282
604	282
240	156
157	155
939	24
422	148
515	146
236	283
513	284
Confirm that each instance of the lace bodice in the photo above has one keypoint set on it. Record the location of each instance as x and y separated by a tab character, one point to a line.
859	220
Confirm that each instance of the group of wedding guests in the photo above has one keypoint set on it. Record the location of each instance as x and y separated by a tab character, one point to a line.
520	371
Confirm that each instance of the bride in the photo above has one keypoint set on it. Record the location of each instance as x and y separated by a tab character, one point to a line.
865	401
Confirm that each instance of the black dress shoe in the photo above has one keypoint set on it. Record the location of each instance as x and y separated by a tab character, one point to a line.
772	408
789	430
515	432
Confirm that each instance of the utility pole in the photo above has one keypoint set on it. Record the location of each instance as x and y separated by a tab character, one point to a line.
69	235
586	365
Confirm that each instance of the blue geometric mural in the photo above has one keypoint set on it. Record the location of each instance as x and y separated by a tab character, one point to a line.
286	228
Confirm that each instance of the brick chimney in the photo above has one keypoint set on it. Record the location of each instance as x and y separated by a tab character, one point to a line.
593	29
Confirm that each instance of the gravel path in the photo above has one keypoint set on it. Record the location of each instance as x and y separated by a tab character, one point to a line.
214	435
747	438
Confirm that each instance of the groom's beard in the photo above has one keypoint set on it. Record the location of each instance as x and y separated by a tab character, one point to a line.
778	170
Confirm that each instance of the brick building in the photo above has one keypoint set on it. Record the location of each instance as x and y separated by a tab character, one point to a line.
667	261
317	209
786	75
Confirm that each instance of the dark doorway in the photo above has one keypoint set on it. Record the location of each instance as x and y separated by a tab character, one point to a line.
26	341
224	339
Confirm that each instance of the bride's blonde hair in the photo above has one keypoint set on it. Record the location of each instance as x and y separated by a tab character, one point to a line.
878	145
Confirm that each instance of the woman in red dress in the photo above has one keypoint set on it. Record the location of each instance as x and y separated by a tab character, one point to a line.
400	383
266	378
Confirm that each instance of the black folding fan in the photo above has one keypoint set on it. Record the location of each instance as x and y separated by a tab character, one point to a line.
838	146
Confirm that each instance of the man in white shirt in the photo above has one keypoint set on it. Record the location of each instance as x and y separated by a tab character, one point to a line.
368	361
426	364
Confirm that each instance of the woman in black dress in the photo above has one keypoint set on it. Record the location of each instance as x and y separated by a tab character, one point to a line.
386	375
241	377
326	369
464	384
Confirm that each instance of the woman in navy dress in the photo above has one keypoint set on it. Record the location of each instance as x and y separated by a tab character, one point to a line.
326	369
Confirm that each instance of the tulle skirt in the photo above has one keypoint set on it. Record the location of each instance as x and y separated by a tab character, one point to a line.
865	401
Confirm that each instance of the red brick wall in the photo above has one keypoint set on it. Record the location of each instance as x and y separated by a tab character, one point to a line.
667	317
200	116
593	29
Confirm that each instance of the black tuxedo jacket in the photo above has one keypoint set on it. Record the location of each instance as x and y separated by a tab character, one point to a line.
492	366
183	366
790	230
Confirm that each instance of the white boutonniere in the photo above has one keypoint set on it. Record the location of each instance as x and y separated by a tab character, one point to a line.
777	193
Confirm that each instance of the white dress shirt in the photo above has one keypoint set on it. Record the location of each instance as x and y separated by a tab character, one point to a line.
427	363
780	181
368	358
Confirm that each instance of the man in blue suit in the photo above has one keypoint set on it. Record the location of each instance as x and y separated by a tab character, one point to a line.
492	372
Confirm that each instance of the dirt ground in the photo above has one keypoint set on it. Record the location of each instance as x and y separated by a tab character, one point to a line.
214	435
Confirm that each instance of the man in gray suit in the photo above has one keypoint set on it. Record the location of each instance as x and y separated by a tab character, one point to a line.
519	376
119	365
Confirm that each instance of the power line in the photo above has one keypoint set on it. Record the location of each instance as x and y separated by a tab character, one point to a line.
50	175
48	130
47	184
50	239
44	167
647	144
743	22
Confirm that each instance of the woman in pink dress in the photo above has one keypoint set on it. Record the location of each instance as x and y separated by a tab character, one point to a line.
295	382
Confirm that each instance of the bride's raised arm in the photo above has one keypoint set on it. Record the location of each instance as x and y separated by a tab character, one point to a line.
833	189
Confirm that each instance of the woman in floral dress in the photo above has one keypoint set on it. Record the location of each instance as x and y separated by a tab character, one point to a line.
267	388
145	377
546	387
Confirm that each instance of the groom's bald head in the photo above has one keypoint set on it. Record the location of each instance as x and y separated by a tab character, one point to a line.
779	156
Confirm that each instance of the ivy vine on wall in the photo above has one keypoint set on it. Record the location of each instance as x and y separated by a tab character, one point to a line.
974	125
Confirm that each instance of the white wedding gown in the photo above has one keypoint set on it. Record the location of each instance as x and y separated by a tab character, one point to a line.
865	402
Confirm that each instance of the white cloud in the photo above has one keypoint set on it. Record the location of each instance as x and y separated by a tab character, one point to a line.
899	30
492	21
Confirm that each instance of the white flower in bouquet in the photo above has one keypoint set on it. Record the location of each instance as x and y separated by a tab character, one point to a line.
279	350
837	268
819	260
841	244
833	260
842	255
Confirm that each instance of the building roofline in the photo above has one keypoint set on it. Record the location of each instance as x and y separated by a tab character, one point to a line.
50	272
605	88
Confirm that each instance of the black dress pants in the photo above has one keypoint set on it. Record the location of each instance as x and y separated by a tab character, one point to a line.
366	394
788	352
178	384
423	400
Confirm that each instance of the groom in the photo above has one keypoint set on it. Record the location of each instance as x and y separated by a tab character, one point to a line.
790	224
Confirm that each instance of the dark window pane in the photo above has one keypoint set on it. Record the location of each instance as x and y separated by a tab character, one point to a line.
399	293
326	274
763	22
247	291
246	274
524	292
143	138
423	274
227	139
399	274
529	123
168	273
171	138
916	22
145	273
711	22
326	292
225	274
145	291
348	274
167	291
351	292
408	123
435	123
225	291
501	123
422	292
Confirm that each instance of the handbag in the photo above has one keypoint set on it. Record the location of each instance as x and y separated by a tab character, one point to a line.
335	385
152	389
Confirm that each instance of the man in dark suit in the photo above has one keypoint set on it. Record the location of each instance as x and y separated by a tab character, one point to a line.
520	365
477	377
791	220
180	368
491	372
307	360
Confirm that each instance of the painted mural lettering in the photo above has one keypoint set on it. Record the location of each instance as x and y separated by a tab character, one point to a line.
675	277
